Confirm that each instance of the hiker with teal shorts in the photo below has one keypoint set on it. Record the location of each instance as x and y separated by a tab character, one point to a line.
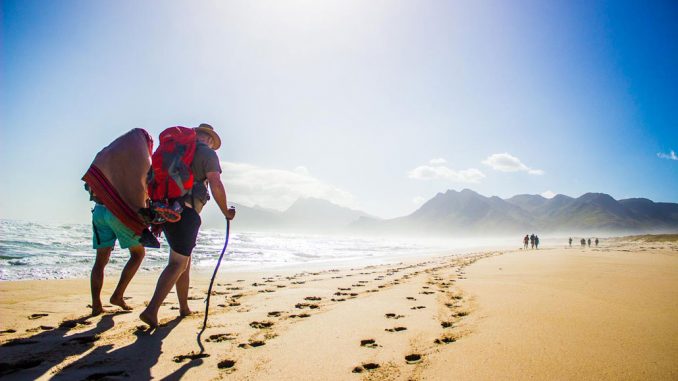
120	196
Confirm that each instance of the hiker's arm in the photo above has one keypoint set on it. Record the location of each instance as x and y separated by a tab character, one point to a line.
219	194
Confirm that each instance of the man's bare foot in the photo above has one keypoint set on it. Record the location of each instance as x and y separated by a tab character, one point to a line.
148	319
97	310
185	312
120	303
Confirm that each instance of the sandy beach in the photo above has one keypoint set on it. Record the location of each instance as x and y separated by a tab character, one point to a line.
556	313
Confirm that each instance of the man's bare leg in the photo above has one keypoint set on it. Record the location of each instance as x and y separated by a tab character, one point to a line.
176	266
136	257
182	290
97	278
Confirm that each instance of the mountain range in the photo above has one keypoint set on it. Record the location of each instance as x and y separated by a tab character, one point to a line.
463	213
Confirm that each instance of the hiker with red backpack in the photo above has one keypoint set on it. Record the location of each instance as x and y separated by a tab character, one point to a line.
184	164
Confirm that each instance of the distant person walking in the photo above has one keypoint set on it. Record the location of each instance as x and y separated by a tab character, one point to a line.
589	242
583	242
570	241
536	242
532	240
596	242
525	241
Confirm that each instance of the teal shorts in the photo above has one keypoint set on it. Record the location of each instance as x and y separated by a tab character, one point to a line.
107	228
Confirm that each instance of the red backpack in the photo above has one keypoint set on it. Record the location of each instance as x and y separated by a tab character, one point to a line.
171	176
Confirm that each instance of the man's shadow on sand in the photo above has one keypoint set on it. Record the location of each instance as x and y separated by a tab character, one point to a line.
132	361
31	357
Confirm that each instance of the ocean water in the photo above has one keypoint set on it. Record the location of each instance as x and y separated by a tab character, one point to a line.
58	251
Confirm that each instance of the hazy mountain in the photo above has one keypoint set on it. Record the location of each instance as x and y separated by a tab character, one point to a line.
306	214
313	214
467	213
247	218
528	202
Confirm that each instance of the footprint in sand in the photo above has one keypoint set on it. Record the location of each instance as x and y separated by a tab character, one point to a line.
368	343
306	305
418	307
83	339
393	316
252	344
261	324
446	324
366	366
73	323
410	298
220	337
395	329
274	313
37	316
226	364
313	298
191	356
444	340
8	331
413	358
300	316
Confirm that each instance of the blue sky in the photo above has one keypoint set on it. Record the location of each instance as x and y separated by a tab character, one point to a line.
376	105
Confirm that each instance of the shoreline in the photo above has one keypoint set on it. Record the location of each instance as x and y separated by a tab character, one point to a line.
517	315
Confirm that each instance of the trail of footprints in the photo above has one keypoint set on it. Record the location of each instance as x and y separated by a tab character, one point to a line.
381	276
451	300
385	276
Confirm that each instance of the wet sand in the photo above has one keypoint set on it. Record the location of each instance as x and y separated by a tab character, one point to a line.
607	313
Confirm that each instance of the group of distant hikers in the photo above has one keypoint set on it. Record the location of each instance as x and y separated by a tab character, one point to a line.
140	194
531	240
584	241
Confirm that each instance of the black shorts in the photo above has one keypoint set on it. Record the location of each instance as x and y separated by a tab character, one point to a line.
182	235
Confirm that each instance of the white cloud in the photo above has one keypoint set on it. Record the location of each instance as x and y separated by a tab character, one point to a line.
301	170
277	188
504	162
427	172
671	155
418	200
549	194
